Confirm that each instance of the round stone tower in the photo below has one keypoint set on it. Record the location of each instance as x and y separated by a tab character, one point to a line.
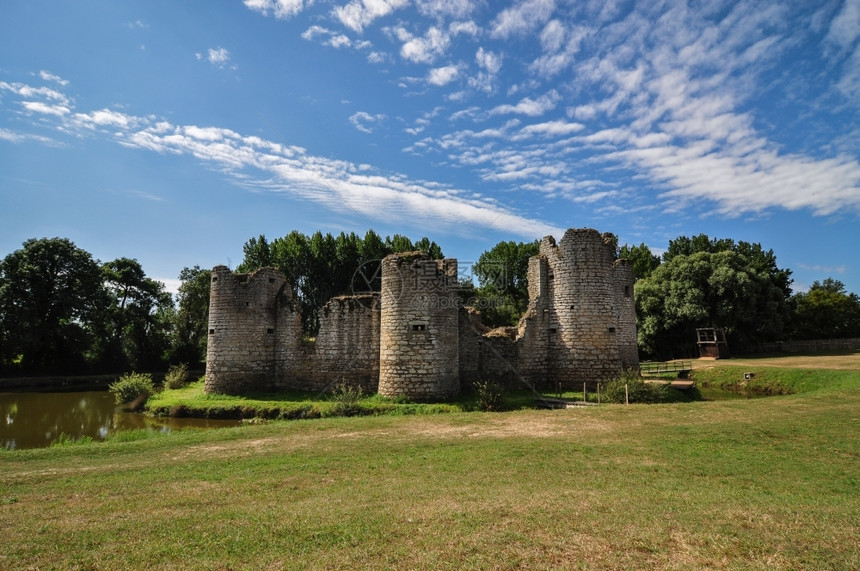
248	313
419	349
591	314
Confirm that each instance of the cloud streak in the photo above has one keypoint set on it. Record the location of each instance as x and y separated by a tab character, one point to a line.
263	164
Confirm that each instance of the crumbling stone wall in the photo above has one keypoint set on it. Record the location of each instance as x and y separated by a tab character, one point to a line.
413	339
419	348
485	354
346	349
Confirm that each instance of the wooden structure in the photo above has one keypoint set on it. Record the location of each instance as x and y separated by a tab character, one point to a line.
712	343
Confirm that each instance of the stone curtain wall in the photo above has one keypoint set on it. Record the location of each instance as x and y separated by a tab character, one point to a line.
625	308
413	339
346	349
419	348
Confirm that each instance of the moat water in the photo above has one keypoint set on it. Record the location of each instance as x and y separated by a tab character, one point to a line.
37	419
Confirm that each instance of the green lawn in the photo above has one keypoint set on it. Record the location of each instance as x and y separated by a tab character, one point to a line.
745	484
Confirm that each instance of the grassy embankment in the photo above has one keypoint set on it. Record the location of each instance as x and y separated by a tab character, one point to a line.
766	483
191	401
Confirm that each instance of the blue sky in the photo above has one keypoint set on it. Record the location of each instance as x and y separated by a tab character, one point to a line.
172	132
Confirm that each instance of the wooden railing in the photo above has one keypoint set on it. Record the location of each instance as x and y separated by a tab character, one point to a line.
657	368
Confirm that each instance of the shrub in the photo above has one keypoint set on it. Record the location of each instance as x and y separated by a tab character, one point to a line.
638	391
345	399
133	388
177	376
490	396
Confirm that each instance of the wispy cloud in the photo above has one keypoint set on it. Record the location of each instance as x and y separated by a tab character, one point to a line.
48	76
339	185
364	121
522	18
218	57
281	9
358	14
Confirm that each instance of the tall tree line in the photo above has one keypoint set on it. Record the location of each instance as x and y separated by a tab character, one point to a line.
321	266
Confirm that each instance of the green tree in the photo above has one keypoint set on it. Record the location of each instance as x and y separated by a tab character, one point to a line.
757	257
191	319
322	266
826	311
138	317
644	262
502	273
49	291
704	289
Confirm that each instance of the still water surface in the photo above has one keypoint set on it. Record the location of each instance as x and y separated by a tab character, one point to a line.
35	419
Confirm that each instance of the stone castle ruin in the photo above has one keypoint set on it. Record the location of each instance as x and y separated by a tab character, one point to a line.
415	338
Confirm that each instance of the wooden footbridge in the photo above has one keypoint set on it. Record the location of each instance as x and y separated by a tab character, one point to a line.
679	368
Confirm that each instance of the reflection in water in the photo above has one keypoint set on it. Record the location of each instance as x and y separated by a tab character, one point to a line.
34	420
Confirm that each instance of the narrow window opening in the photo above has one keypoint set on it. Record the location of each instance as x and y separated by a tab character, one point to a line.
553	330
270	331
419	327
627	291
214	278
612	330
211	332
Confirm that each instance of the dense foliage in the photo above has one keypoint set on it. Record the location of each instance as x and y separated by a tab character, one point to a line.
322	266
503	291
133	388
826	311
50	296
62	312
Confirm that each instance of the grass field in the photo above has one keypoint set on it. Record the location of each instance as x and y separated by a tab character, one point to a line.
744	484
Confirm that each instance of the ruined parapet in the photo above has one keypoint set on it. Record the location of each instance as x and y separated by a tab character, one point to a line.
534	326
625	310
419	349
253	325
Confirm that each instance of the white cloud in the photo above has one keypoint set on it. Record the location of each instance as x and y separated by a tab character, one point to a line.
552	36
523	18
427	48
219	57
282	9
13	137
48	76
44	108
845	27
551	129
357	14
104	118
265	165
446	8
530	107
468	28
364	121
332	39
443	75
